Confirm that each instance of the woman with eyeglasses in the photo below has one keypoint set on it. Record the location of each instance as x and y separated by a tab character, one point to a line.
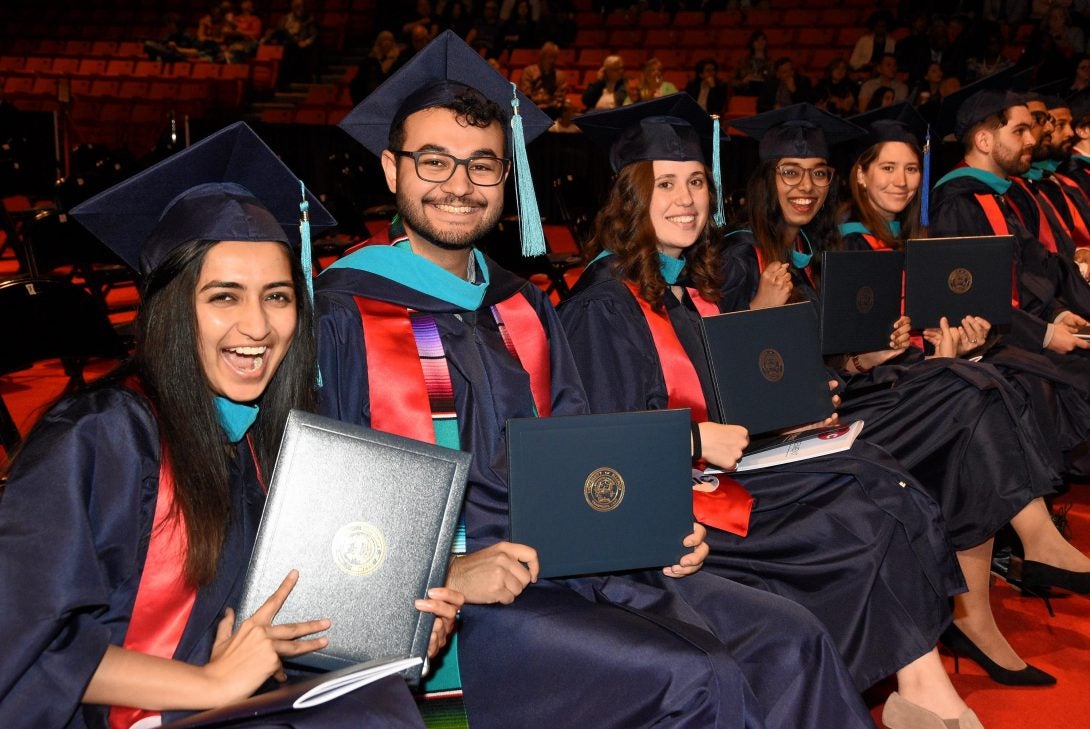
634	326
960	429
883	213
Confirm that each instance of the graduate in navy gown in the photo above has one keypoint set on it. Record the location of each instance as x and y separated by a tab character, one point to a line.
130	511
422	335
959	428
881	587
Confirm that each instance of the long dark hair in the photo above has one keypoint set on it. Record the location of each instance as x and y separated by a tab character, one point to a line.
623	226
765	218
860	207
167	363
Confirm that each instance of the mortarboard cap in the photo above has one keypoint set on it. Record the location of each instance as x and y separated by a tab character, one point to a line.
228	186
973	103
1051	93
799	130
442	70
668	128
895	123
671	127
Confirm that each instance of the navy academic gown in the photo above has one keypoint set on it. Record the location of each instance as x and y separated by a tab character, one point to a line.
637	649
75	520
956	426
1060	407
880	585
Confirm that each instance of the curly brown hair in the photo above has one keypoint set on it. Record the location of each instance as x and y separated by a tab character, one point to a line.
623	227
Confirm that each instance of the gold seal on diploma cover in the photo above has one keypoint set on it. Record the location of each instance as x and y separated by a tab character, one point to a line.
864	299
603	489
960	280
359	549
771	364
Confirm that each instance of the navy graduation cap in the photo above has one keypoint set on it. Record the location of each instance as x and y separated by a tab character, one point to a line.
445	69
672	127
900	123
228	186
799	130
971	104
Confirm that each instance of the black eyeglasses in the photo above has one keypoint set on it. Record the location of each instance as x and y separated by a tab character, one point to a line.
1042	118
821	176
439	167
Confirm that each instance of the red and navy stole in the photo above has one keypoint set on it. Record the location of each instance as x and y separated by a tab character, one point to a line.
729	506
1046	234
1080	233
164	599
999	226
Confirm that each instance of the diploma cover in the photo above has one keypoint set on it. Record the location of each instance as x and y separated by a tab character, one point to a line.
601	493
368	519
860	299
956	277
767	368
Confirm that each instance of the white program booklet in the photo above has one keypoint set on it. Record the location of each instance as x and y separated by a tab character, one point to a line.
799	447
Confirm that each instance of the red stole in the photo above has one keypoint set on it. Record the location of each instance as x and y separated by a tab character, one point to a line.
1079	233
998	223
729	506
164	599
1046	235
398	384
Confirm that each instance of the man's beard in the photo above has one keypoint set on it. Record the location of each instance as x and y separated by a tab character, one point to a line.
1011	165
412	213
1043	149
1062	151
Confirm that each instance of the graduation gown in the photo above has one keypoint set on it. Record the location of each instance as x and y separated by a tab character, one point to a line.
879	585
606	651
957	427
75	522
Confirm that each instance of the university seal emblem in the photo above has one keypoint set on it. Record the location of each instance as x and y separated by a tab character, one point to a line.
603	489
960	280
359	549
771	365
864	299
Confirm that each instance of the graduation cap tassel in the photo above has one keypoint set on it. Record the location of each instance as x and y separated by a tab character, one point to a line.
720	217
305	255
533	237
925	183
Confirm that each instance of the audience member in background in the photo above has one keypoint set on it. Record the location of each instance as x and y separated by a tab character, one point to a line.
485	35
871	46
610	90
457	18
245	34
508	8
988	58
706	88
386	56
1081	81
883	96
837	93
785	88
544	84
651	84
1054	45
929	88
886	75
176	45
212	32
422	15
520	30
754	69
298	33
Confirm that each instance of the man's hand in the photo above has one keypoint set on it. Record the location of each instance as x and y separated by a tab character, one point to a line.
1064	340
694	560
498	573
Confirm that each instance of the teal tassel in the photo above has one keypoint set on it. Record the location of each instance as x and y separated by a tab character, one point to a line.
720	216
533	237
305	255
925	183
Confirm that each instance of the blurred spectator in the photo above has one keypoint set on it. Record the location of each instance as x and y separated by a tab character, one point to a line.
507	9
706	88
786	87
1082	76
754	69
883	96
886	71
298	33
422	15
176	43
386	56
544	84
989	57
212	32
1054	45
244	33
871	46
520	30
837	93
1070	40
485	34
456	17
651	85
610	90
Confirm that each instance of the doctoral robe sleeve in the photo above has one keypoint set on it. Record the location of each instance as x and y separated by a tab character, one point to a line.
741	273
74	522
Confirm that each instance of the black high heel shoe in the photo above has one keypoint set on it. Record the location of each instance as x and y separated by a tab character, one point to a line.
958	642
1039	576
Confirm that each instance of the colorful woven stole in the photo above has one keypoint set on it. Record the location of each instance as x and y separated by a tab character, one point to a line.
164	599
998	223
729	506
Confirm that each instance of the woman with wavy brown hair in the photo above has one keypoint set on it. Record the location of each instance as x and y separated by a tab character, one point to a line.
881	587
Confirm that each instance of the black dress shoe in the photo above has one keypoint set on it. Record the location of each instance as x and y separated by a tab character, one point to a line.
958	642
1038	577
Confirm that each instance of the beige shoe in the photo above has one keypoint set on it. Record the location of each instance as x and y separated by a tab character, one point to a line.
901	714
